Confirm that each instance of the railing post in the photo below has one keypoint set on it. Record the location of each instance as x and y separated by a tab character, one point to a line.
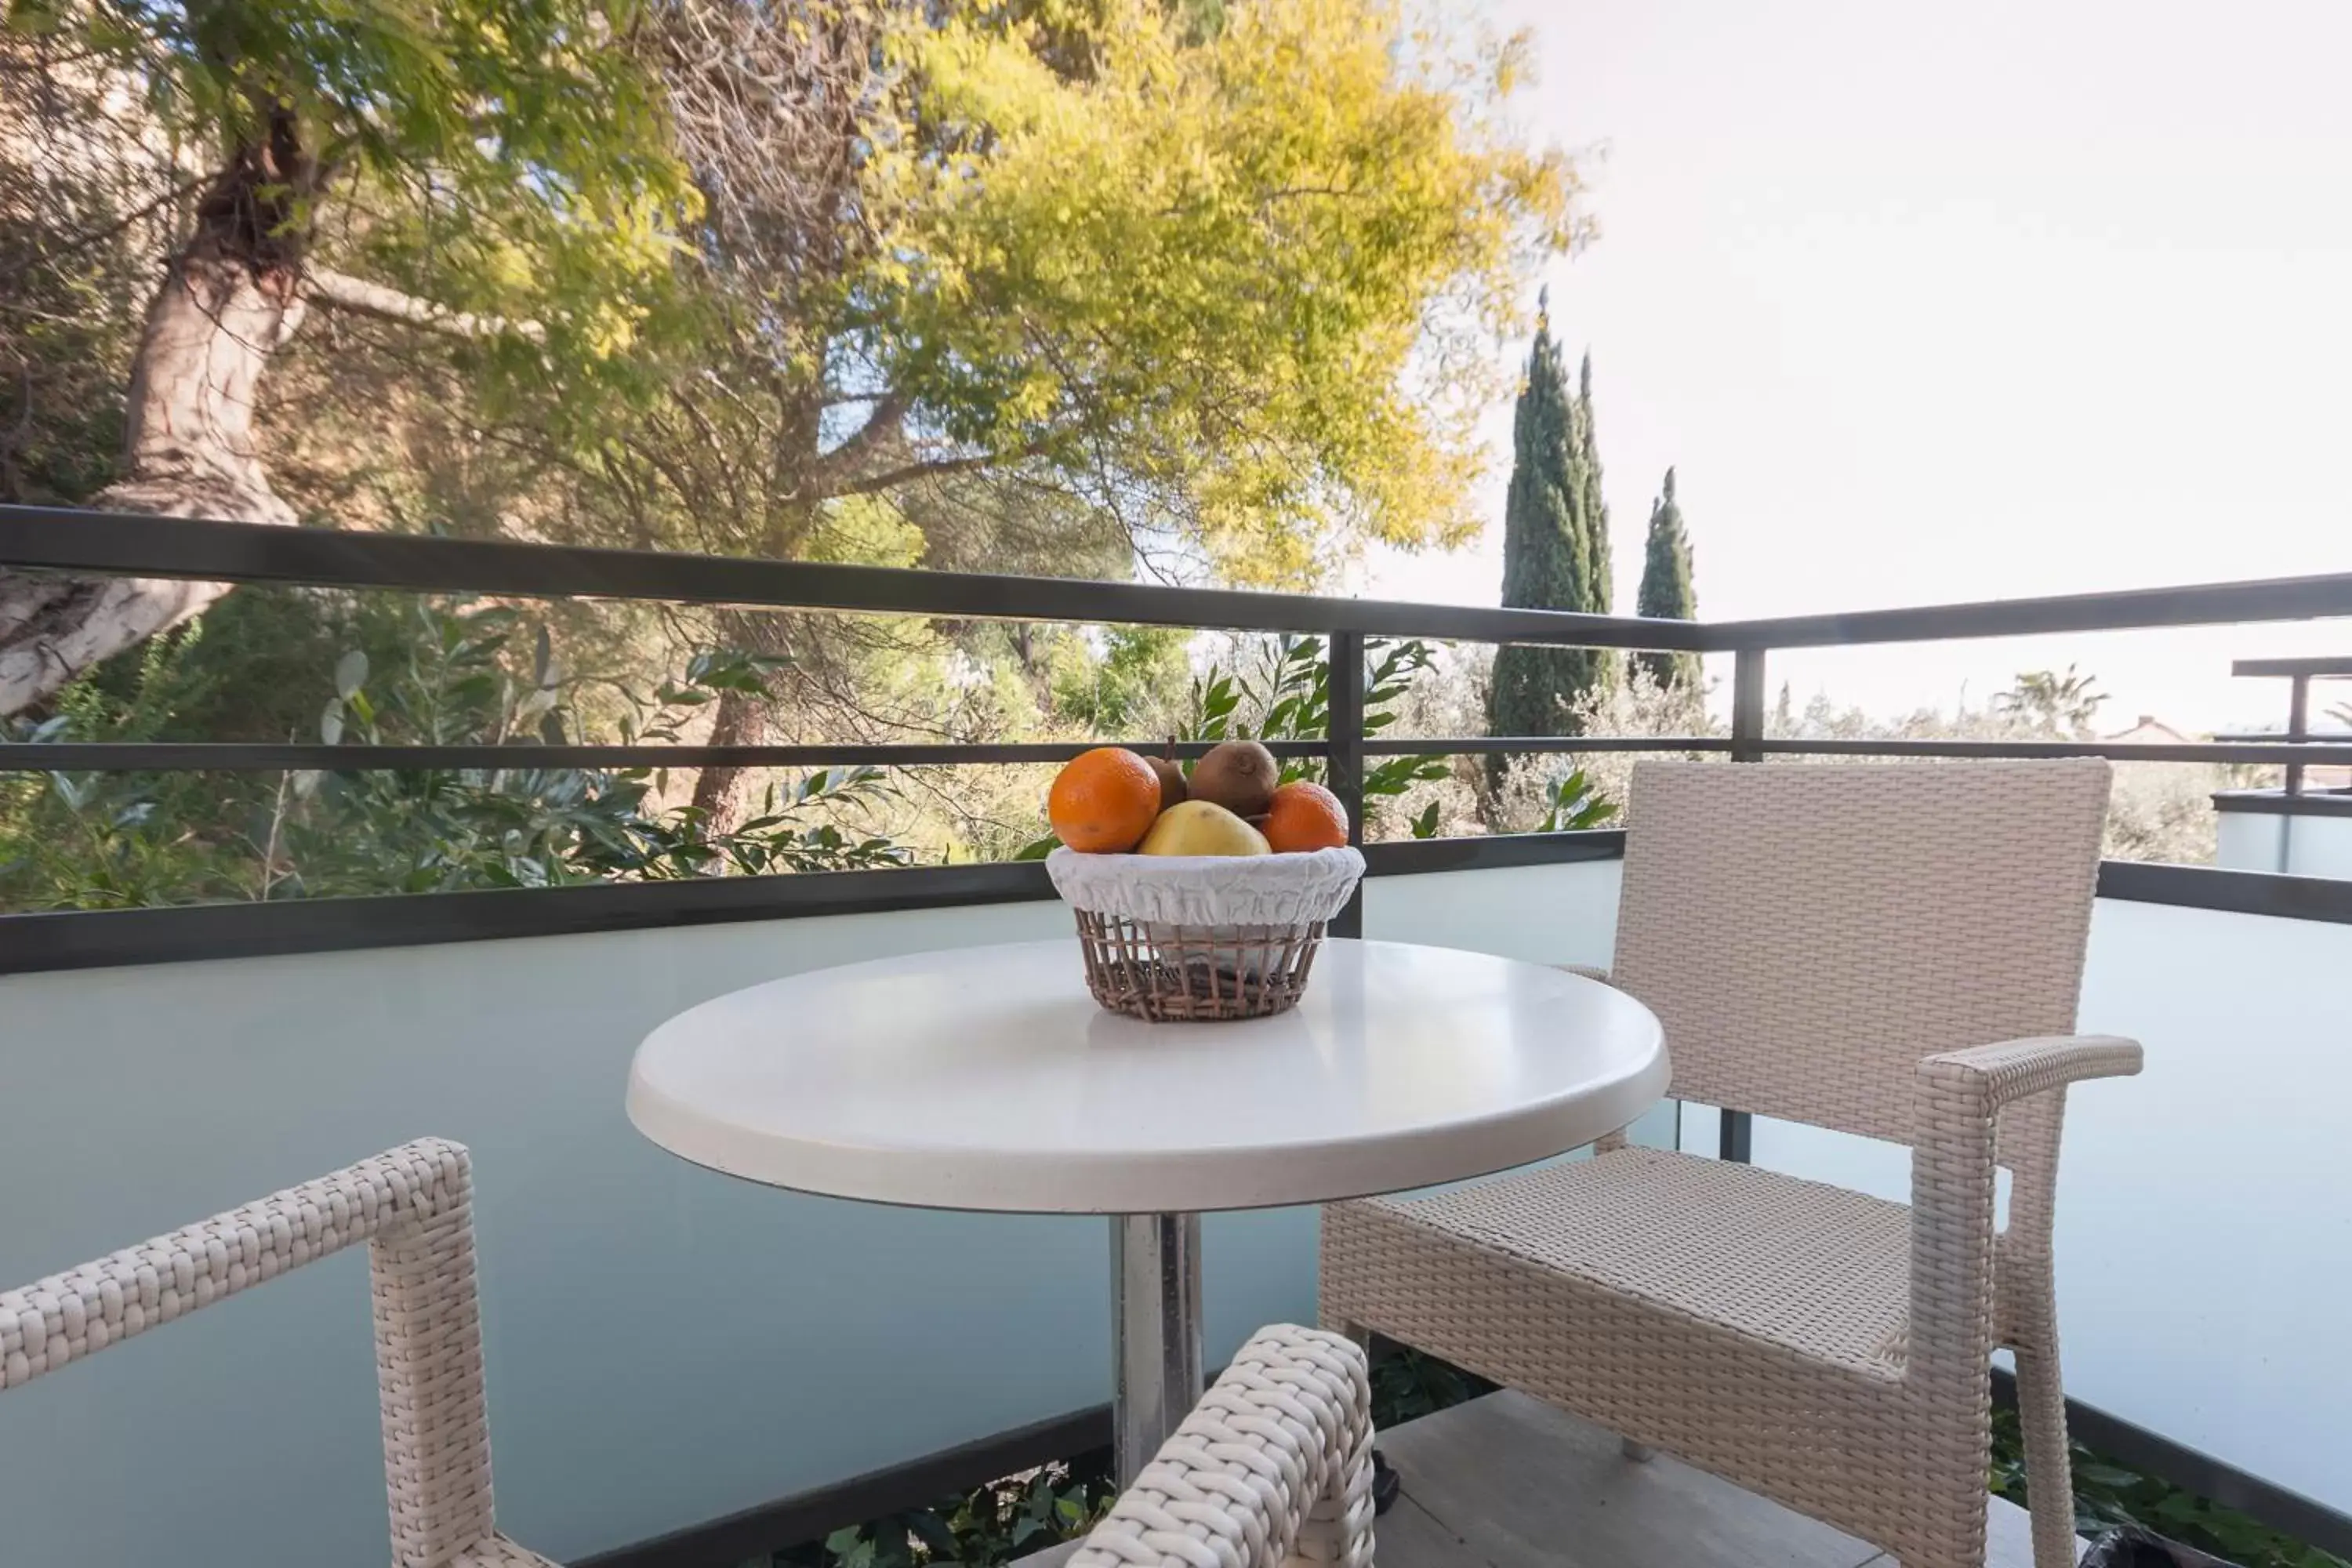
2298	725
1738	1137
1344	756
1747	705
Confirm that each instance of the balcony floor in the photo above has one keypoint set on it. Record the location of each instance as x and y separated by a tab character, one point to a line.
1508	1482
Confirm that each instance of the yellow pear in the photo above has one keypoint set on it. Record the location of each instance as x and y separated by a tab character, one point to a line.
1200	827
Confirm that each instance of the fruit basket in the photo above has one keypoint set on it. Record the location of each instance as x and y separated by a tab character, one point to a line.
1195	938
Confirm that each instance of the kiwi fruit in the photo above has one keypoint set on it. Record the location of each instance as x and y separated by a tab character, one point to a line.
1171	780
1239	776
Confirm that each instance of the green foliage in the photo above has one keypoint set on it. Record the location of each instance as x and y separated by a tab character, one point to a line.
1574	804
1408	1384
1666	591
77	254
1115	690
466	675
2052	704
1118	238
505	157
1286	695
115	840
1068	283
1599	572
1555	552
991	1524
2108	1495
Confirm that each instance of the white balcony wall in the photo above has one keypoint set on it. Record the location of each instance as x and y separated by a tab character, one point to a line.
664	1345
2307	845
667	1346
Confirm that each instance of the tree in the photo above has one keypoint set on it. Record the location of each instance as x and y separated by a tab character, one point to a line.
1666	592
1079	288
500	162
1552	558
1599	569
2050	702
1030	287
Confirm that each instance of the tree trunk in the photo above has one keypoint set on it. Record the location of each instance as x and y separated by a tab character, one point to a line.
722	791
189	452
227	302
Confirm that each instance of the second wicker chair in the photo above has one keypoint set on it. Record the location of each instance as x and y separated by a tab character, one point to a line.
1274	1464
1887	950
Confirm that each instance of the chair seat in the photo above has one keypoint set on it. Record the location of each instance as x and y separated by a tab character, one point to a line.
1816	1269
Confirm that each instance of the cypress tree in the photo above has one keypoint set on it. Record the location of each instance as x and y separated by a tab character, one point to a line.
1598	575
1666	591
1555	549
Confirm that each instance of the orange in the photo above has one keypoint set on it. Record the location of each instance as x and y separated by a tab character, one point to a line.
1104	802
1305	816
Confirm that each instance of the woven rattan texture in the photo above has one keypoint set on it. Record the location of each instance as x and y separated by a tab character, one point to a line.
1852	919
413	1207
1812	1268
1274	1466
1892	950
1182	973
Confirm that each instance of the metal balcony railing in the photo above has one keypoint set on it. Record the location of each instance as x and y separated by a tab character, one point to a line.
101	543
75	542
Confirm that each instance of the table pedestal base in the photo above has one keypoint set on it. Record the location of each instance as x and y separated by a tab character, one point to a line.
1155	1296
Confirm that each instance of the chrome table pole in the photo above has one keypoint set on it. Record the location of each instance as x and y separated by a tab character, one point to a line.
1155	1289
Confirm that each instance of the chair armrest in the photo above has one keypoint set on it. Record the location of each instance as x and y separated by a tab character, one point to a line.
1279	1449
69	1316
1992	1076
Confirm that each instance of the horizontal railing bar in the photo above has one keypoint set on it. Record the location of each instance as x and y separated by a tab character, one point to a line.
2322	736
2340	664
82	939
133	544
218	756
2278	802
209	756
2203	603
1535	745
137	544
2113	750
1491	851
2226	891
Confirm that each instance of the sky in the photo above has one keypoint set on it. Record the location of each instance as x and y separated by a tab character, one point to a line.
1932	304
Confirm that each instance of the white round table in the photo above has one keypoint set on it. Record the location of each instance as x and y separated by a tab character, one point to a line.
986	1078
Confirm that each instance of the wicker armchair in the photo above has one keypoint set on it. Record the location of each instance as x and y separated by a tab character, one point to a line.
1889	951
1275	1461
414	1208
1274	1466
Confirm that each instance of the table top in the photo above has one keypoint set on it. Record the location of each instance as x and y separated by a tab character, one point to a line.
986	1078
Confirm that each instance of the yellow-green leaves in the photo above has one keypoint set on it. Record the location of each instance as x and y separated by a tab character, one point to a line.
1232	274
508	158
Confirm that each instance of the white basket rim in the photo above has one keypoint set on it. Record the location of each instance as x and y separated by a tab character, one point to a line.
1300	888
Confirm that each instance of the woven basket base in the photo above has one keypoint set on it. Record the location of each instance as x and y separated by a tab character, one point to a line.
1175	973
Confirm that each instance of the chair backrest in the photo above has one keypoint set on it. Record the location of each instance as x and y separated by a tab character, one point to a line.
1808	932
412	1206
